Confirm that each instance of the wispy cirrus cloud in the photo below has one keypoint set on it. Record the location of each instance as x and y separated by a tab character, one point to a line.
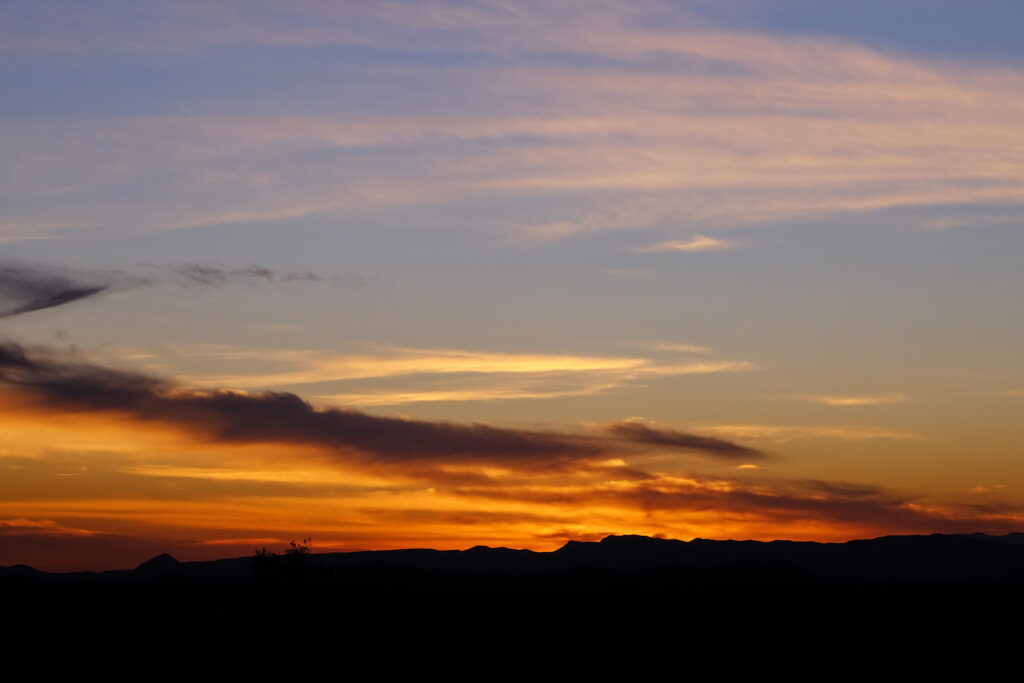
868	400
526	385
786	433
682	348
697	243
741	128
446	374
318	366
482	389
44	525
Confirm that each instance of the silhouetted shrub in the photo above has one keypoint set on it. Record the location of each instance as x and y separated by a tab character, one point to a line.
282	568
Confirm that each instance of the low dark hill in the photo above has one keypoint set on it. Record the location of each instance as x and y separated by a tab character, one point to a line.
620	575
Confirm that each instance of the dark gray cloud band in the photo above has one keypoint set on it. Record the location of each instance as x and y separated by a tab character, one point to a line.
202	274
281	417
668	438
276	417
31	288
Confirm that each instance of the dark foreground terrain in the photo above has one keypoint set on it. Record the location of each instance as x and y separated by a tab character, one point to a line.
622	578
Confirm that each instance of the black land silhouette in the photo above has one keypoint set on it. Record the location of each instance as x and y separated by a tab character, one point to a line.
624	575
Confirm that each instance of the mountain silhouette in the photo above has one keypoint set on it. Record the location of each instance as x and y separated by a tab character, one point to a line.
626	575
911	557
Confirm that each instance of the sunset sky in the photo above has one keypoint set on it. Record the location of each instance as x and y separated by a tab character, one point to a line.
439	274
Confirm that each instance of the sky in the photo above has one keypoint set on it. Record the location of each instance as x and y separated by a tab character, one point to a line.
439	274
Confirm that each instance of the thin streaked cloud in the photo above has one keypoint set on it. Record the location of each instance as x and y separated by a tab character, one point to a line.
869	400
785	433
314	366
500	390
682	348
700	368
697	243
429	375
529	385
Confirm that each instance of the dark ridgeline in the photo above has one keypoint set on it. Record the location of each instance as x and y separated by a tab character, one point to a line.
623	575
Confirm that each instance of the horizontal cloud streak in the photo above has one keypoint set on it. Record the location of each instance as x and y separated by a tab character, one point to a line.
501	390
845	401
33	287
785	433
446	374
697	243
682	348
221	275
393	362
